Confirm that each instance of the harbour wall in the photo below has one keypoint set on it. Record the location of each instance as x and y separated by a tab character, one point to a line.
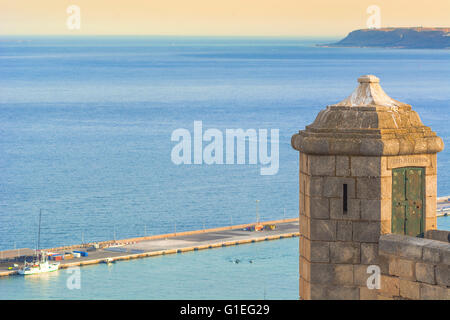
414	268
252	237
169	235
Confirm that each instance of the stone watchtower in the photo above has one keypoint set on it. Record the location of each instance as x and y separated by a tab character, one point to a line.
367	167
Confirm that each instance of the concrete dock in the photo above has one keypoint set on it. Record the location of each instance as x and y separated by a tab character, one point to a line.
169	243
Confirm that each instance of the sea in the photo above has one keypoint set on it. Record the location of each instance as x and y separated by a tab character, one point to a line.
86	128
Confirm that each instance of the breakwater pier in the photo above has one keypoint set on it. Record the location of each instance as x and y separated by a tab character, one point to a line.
126	249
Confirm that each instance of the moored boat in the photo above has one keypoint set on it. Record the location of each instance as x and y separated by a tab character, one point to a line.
41	266
40	263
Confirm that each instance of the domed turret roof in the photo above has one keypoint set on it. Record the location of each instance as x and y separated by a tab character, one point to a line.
369	93
368	122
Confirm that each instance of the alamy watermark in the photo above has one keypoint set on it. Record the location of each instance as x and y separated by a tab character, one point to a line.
74	18
217	147
374	20
373	281
74	280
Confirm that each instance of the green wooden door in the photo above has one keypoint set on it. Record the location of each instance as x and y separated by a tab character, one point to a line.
407	201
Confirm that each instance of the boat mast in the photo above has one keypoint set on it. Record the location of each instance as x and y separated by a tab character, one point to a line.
39	232
257	212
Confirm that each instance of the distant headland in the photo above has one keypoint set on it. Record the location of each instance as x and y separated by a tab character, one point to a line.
406	38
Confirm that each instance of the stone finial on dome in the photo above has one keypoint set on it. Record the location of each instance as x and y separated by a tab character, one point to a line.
369	93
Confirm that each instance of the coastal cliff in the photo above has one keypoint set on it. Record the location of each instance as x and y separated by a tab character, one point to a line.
408	38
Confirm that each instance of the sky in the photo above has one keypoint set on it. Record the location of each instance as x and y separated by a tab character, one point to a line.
214	17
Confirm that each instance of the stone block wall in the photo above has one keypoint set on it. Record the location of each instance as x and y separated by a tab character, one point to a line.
413	268
440	235
336	247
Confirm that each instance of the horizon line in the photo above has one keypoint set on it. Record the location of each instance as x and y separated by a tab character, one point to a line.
76	33
166	35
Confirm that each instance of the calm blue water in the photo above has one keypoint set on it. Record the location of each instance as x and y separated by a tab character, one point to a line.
208	274
85	126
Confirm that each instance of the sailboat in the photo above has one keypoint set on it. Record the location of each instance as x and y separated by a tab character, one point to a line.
40	263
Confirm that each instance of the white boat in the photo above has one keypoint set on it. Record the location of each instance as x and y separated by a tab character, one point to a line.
108	261
41	266
40	263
